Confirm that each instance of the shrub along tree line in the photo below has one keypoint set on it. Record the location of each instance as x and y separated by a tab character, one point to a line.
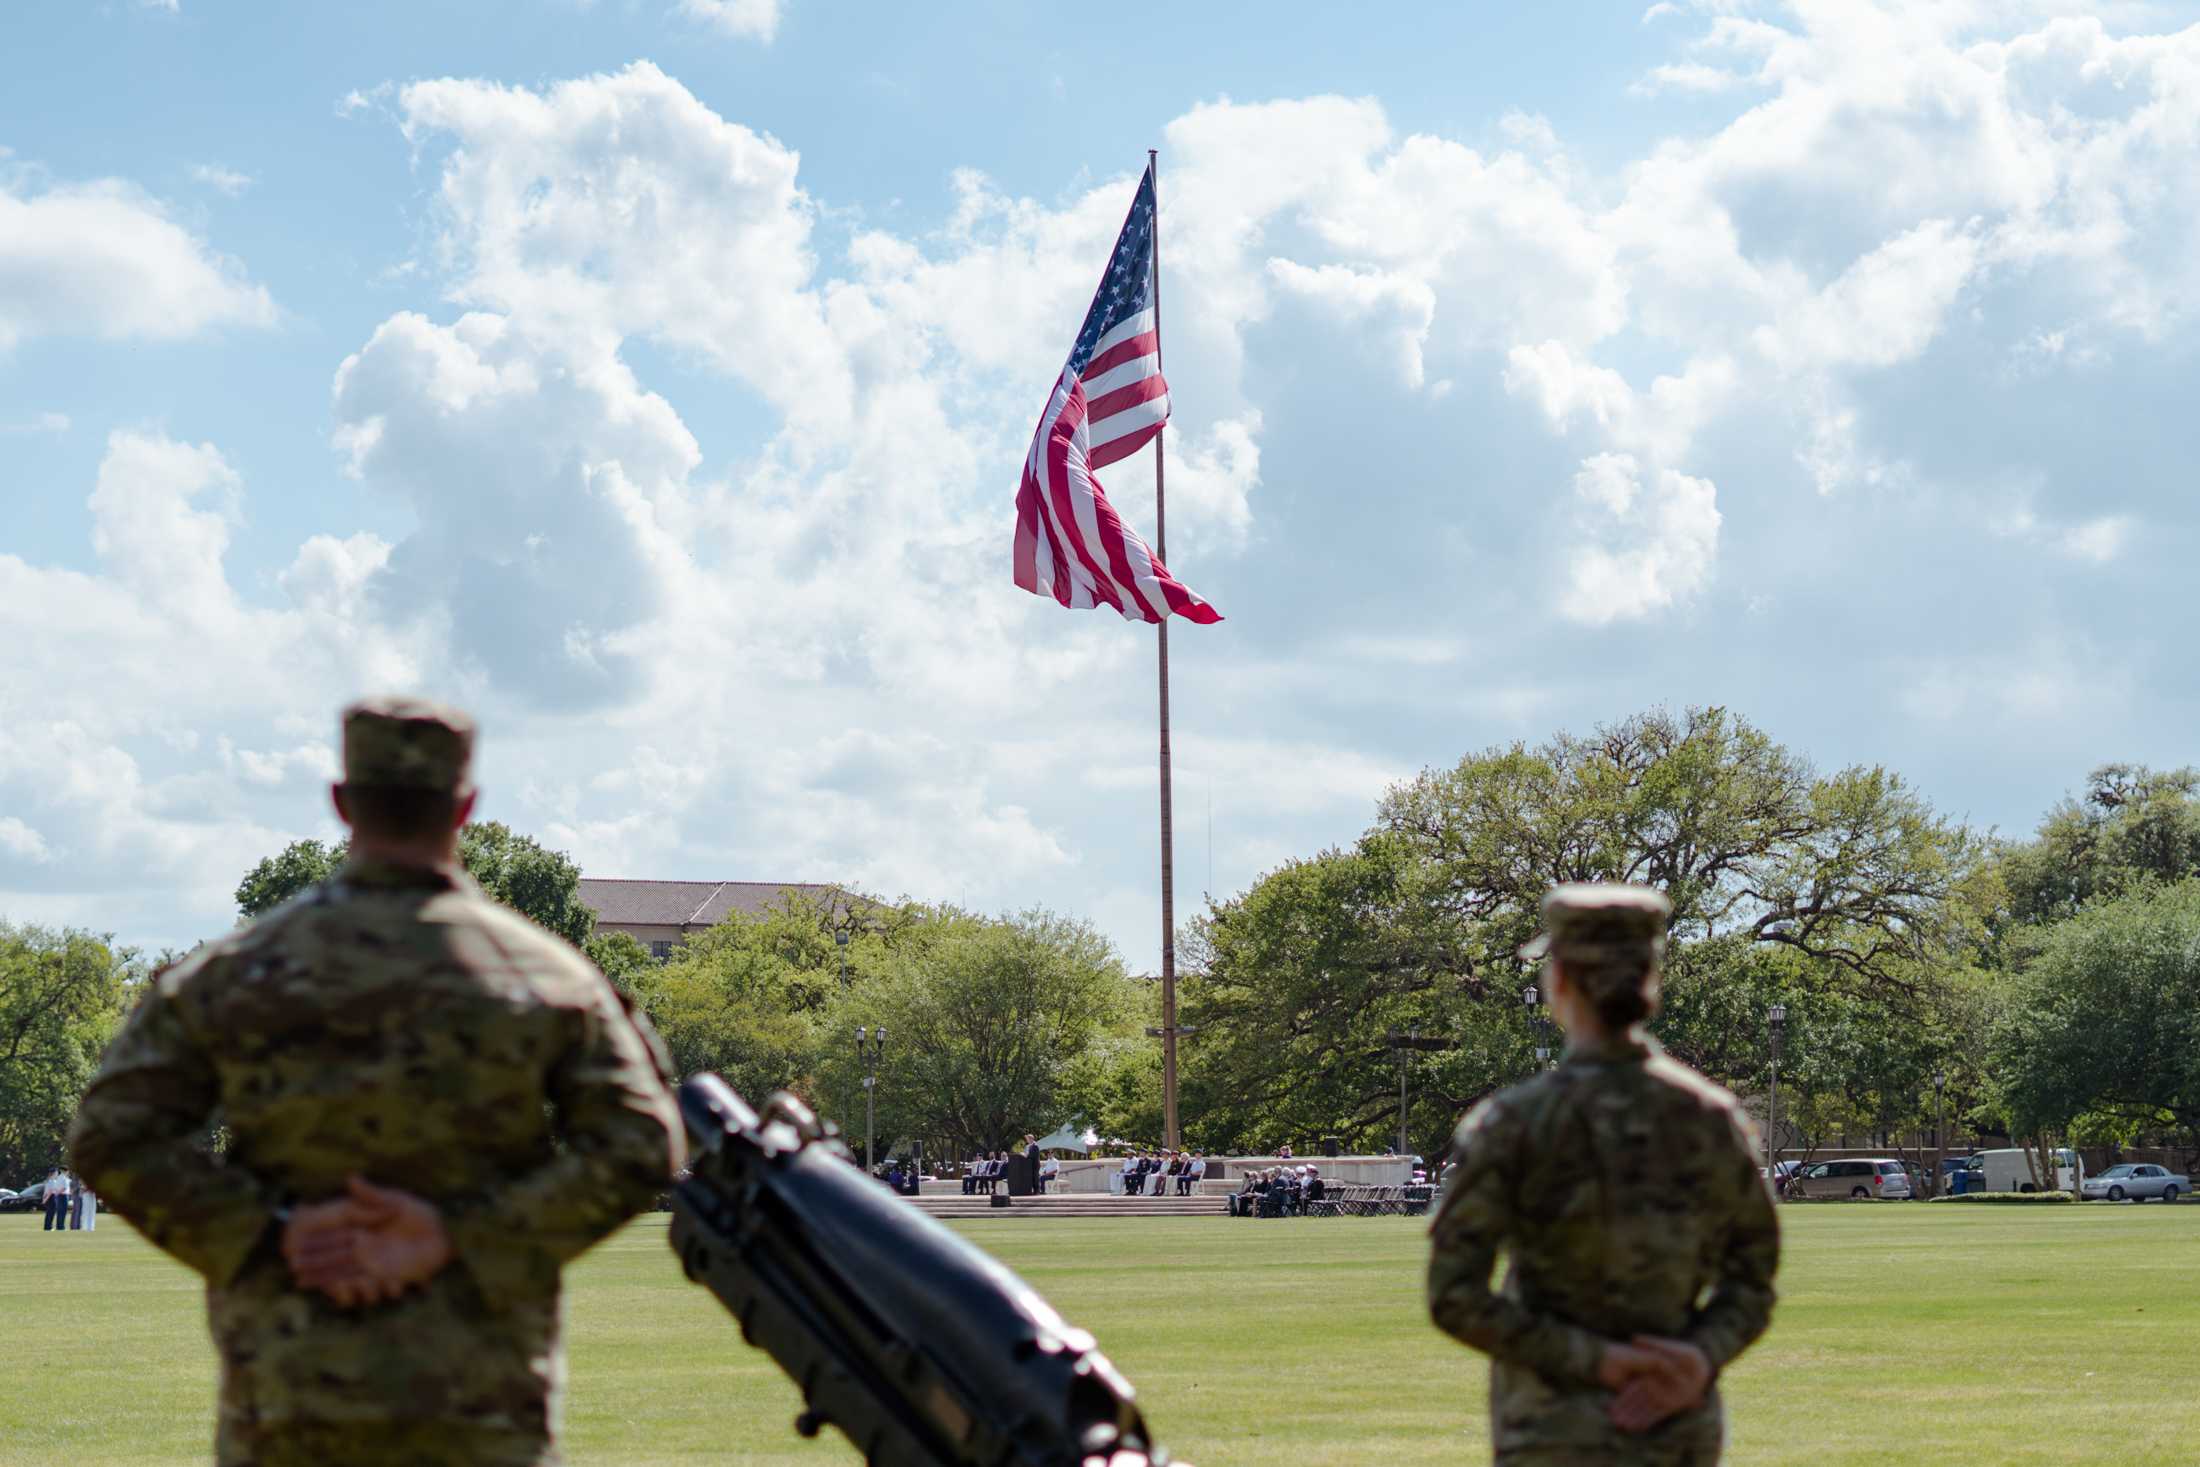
2053	983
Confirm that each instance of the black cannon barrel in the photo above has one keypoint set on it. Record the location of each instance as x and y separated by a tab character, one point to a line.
920	1348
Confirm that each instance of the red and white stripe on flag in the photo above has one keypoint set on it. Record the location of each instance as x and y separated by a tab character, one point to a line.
1110	401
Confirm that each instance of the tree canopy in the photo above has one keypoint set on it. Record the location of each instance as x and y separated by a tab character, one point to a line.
995	1026
540	884
1842	893
2103	1026
62	995
2132	827
1851	869
2042	985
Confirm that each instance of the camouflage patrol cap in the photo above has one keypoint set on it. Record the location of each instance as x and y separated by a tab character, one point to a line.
1602	929
407	743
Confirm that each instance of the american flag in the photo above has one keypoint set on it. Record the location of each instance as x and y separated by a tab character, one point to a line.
1110	399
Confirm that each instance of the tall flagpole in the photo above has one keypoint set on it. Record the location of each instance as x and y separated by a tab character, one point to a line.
1169	1140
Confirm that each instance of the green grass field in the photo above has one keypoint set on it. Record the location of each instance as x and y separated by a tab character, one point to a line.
2018	1335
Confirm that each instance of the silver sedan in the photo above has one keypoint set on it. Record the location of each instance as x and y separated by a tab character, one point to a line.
2136	1180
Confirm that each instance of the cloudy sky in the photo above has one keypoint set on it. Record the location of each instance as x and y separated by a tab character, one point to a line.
652	376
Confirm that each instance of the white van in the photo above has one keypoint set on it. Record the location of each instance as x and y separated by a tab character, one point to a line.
2011	1168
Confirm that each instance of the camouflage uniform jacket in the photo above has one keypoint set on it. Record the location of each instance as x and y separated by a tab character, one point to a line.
396	1023
1623	1187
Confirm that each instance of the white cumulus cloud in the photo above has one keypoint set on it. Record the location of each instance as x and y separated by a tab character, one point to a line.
1450	382
104	259
222	180
1645	547
744	20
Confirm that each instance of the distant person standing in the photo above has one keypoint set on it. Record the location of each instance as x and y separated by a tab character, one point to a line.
433	1105
87	1207
1624	1188
56	1201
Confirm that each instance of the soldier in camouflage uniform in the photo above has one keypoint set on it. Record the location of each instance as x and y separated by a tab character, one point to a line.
1624	1189
432	1105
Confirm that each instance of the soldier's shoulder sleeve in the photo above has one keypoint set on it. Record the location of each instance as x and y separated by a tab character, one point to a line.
136	1131
1472	1205
1738	1306
622	1136
1476	1218
180	978
652	1041
578	983
1698	1088
1482	1126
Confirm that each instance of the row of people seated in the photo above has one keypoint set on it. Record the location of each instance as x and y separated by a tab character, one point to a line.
1279	1191
984	1172
1157	1174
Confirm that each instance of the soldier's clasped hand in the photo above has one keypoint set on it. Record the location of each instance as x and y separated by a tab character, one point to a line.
366	1247
1655	1379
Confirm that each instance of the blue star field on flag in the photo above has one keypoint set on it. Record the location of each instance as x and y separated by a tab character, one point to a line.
1127	287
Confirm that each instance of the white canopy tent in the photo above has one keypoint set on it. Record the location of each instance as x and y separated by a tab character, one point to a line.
1065	1139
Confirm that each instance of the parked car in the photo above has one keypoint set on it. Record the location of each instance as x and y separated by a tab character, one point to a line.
2137	1180
30	1199
1872	1176
2011	1168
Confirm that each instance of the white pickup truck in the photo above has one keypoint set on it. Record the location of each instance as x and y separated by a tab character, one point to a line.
2137	1180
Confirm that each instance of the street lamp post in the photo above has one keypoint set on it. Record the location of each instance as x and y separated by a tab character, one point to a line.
840	940
1531	998
869	1046
1940	1130
1404	1046
1779	1016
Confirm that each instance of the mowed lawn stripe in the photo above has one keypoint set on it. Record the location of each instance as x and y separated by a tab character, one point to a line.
2027	1335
